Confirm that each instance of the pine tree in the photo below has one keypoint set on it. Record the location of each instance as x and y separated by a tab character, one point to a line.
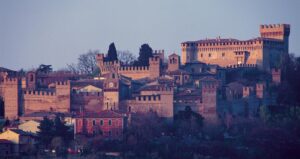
112	53
62	130
46	133
145	53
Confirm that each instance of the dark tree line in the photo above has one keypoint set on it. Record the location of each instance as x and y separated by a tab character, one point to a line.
289	93
55	134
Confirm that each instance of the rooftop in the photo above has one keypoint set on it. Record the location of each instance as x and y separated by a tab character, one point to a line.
102	114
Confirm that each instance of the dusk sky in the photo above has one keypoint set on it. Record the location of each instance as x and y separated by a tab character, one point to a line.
56	32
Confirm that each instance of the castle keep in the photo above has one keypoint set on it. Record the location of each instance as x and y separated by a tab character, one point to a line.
266	52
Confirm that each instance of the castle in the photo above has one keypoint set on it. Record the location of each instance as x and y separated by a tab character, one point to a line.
266	52
198	81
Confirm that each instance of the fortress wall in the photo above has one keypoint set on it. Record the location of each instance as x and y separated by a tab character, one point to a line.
39	101
135	72
162	104
58	101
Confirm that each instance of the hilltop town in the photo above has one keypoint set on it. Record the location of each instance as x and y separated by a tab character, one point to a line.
214	90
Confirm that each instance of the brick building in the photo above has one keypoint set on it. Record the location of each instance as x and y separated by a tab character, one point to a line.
107	123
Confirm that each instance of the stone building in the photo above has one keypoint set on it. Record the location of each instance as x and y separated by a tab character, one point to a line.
267	51
153	97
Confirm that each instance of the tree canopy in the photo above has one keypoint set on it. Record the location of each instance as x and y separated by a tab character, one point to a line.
49	129
44	68
145	53
112	53
45	134
87	64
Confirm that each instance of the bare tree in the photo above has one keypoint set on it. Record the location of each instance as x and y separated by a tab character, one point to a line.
87	64
126	57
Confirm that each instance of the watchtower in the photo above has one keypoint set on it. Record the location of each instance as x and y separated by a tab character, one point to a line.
63	93
209	91
12	88
154	67
277	31
173	62
111	91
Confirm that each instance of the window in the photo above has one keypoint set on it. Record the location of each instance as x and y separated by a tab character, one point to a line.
101	122
209	55
201	55
223	54
94	122
31	78
109	122
109	133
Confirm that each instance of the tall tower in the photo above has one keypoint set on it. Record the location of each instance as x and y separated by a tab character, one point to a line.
12	88
189	52
173	62
63	93
209	97
154	67
111	91
277	31
31	80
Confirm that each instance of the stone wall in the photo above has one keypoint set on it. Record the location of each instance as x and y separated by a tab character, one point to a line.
58	100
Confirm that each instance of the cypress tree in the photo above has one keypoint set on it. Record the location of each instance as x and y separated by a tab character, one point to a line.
112	53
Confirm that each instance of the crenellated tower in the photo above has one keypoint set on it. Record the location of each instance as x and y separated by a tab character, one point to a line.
277	31
173	62
63	96
12	89
154	67
209	91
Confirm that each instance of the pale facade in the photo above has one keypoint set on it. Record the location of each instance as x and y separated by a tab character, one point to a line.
30	126
266	52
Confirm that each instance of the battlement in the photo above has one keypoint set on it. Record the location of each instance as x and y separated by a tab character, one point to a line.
167	89
271	26
134	68
211	43
275	31
62	82
100	56
209	86
276	71
38	93
159	51
154	59
11	80
109	63
241	66
260	85
148	98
